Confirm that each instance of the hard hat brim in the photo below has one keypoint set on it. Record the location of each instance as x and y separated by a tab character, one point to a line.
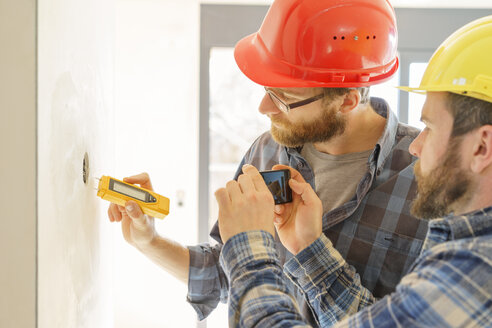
447	88
413	90
254	60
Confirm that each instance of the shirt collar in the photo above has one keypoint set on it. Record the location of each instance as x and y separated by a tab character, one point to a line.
385	144
473	224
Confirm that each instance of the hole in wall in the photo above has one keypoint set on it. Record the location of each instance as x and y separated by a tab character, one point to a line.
85	168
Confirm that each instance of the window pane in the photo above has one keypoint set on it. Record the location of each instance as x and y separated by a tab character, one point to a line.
234	124
388	91
234	119
416	101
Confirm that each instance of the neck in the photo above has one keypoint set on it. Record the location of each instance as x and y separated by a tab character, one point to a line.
481	197
363	130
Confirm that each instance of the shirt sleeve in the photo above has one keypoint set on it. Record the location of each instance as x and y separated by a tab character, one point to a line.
445	288
207	283
258	295
332	287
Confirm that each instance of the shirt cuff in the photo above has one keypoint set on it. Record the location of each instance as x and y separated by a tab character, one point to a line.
313	265
206	284
246	250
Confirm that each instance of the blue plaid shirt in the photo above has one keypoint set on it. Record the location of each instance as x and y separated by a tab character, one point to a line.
374	231
449	285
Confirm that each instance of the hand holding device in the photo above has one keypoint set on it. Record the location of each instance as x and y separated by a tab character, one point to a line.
299	223
138	229
245	205
119	192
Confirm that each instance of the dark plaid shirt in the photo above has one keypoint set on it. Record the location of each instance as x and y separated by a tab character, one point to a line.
374	231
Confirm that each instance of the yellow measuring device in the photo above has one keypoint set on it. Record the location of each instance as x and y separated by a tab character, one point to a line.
119	192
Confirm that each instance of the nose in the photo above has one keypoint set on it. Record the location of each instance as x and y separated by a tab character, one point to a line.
267	106
415	147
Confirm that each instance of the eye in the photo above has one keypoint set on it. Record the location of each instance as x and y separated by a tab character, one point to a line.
289	99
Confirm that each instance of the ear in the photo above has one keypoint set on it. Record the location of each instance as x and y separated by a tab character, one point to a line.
350	101
482	149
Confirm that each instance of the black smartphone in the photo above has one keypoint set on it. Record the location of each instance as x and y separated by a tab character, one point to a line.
277	182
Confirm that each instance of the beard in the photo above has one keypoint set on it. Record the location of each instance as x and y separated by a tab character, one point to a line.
328	125
443	190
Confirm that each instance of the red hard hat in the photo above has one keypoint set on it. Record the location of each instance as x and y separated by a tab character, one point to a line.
322	43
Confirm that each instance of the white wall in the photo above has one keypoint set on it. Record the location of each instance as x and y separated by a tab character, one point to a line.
75	116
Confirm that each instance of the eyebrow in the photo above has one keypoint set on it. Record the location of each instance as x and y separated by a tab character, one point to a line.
289	93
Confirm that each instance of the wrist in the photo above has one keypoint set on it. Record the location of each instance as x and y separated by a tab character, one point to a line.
147	244
247	249
306	243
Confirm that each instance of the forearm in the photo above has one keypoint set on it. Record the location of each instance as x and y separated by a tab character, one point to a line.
258	294
333	287
169	255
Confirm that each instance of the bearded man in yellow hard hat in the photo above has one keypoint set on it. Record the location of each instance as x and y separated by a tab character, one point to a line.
450	283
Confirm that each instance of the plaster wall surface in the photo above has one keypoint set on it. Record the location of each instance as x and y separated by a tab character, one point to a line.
75	117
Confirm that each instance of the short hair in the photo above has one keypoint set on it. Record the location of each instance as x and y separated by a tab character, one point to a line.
330	93
468	113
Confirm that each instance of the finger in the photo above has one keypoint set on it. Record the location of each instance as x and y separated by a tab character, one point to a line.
294	174
134	212
122	213
307	193
110	216
223	200
256	177
246	184
142	179
115	212
278	220
279	209
233	190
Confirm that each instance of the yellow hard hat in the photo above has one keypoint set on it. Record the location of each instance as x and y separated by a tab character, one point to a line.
463	63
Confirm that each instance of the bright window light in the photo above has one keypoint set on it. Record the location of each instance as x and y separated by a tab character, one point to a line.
416	101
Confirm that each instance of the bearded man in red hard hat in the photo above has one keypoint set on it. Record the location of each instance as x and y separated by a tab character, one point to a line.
317	60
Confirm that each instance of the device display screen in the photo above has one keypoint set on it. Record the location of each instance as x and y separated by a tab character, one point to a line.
277	182
129	191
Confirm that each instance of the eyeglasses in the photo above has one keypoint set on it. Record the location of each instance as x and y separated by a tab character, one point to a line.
284	107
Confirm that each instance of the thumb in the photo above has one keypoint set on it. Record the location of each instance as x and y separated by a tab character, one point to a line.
134	212
307	193
294	174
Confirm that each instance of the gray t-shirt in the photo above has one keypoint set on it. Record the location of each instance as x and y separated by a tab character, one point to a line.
336	170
